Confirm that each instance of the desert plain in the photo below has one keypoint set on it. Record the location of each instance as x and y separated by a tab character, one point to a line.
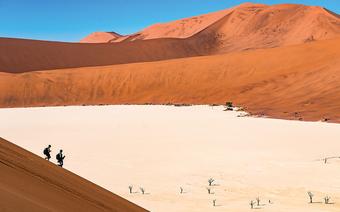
162	148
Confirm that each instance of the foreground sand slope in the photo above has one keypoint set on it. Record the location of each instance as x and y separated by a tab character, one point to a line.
28	183
295	82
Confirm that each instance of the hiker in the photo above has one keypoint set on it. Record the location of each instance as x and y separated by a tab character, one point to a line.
60	158
47	152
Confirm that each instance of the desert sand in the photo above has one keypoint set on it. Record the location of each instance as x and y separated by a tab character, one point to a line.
100	37
245	27
19	55
293	82
279	61
29	183
163	148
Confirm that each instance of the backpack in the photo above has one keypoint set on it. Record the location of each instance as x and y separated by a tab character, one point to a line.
58	157
46	151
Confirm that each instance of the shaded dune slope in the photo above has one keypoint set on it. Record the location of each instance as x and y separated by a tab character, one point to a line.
294	82
248	26
29	183
19	55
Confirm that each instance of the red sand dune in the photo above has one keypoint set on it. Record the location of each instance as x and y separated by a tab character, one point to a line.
18	55
251	26
260	26
248	26
101	37
183	28
291	82
29	183
297	79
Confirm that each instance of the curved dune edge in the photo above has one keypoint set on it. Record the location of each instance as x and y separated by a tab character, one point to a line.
29	183
296	82
20	55
242	28
286	21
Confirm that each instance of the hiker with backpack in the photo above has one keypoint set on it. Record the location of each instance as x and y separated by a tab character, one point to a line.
47	152
60	158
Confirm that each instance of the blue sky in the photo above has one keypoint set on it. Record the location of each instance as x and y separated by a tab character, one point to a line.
70	20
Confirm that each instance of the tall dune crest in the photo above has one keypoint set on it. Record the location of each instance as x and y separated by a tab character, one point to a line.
250	26
245	27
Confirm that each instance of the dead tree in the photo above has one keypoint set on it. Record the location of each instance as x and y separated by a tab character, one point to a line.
181	190
252	203
258	201
130	189
229	104
142	190
209	190
327	198
214	202
310	194
210	181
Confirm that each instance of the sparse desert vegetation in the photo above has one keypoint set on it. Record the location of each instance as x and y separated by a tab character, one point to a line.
181	190
258	201
252	203
326	199
229	104
310	195
130	189
211	181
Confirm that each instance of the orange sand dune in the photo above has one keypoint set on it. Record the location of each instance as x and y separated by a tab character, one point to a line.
259	26
101	37
29	183
19	55
295	82
183	28
248	26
